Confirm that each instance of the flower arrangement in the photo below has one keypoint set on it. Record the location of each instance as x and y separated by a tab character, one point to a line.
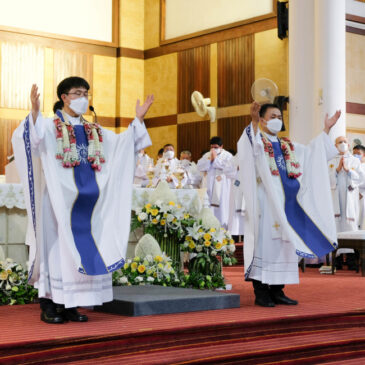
14	287
151	270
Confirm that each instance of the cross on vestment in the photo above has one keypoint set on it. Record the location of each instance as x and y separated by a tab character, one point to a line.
276	225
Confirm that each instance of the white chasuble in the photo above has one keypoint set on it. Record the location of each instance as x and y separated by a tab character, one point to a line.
78	218
285	217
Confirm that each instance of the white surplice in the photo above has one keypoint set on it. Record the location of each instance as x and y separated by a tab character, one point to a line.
219	175
271	245
50	191
362	200
237	203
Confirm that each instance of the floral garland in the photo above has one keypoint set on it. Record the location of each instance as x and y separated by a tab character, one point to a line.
292	164
66	143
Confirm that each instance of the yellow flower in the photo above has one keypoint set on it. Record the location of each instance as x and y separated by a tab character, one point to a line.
172	203
134	266
200	230
165	215
9	271
212	229
155	274
139	219
126	265
148	206
191	245
137	259
218	245
163	222
154	221
154	212
158	258
141	269
188	238
207	243
160	266
186	215
178	206
207	236
225	241
231	241
3	275
174	220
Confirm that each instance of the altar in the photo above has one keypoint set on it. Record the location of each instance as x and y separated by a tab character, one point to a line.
13	216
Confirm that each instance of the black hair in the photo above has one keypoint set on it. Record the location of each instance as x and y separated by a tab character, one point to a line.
359	147
264	108
216	140
168	145
65	86
160	151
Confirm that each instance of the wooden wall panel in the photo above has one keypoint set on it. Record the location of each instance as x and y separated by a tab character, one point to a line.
230	130
236	70
193	137
193	74
7	128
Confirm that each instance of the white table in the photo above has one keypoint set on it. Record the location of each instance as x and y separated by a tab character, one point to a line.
13	223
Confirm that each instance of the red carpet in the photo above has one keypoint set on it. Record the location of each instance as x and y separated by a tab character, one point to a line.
328	326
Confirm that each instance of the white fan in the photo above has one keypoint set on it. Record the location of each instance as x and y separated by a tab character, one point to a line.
201	105
264	91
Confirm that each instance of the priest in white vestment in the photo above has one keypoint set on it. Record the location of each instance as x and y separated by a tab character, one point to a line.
144	162
217	166
288	207
194	177
167	166
77	180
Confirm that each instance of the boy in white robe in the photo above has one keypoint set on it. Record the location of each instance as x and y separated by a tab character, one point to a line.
217	166
288	209
359	153
77	180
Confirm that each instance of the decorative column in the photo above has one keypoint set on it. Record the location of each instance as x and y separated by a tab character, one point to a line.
317	66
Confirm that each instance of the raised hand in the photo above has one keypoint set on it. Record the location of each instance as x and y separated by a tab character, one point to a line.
255	115
34	98
141	110
330	122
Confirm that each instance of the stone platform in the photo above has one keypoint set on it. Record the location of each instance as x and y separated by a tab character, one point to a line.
149	300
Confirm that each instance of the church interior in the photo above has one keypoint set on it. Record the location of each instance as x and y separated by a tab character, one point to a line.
311	52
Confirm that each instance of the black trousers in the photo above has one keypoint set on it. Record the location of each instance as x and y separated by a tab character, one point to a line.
261	289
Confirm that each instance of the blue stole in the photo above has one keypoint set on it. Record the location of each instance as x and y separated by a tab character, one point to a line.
88	193
295	214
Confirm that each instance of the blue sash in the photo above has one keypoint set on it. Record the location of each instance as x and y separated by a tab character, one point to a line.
82	210
296	216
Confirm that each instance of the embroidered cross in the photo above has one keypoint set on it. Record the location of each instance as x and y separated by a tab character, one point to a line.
276	225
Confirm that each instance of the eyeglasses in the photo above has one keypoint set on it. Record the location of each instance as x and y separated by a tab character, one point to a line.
80	93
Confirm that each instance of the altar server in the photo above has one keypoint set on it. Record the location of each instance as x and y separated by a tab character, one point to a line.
77	180
359	152
288	208
219	172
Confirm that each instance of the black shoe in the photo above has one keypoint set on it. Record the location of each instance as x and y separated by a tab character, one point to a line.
264	301
51	317
72	314
280	298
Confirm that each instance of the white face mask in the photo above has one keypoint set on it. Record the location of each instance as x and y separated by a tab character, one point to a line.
79	105
169	155
274	125
218	150
343	147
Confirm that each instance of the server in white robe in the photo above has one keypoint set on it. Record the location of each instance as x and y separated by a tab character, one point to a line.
194	177
359	152
77	180
346	176
166	167
217	166
144	162
288	207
